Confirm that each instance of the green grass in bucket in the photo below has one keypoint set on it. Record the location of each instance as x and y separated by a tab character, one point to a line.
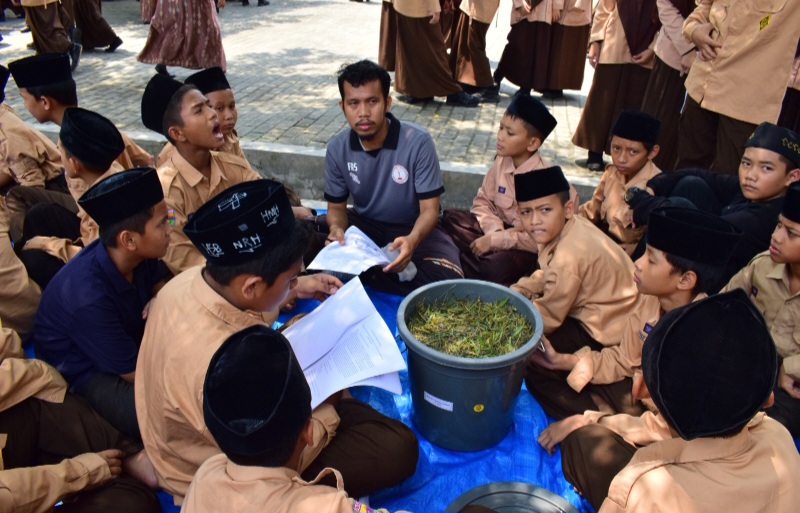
470	328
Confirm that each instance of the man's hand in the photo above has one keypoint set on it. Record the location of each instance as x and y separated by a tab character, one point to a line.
551	359
318	286
481	246
594	53
113	459
335	234
706	46
644	57
406	245
788	384
434	18
556	432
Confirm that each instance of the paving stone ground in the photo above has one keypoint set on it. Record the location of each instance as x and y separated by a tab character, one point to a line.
281	64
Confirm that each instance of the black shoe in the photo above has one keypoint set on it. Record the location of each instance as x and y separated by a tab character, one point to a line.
162	69
490	94
462	99
552	94
75	55
245	3
262	3
114	45
470	89
591	165
412	99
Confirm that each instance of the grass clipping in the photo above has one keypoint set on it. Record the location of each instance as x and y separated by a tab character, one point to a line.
470	328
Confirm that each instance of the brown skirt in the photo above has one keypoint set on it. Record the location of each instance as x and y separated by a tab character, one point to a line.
567	57
49	25
790	112
421	66
148	9
95	30
468	53
387	44
525	58
615	87
663	99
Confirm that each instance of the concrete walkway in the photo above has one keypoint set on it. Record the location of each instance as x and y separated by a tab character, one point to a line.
282	61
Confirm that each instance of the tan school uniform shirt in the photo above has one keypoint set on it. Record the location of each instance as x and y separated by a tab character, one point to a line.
37	489
221	485
767	283
230	146
417	8
133	155
19	295
574	13
670	43
26	155
608	204
747	80
186	189
188	321
584	275
607	29
481	10
754	471
542	13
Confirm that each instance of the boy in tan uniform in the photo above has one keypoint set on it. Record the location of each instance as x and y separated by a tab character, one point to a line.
253	248
19	294
259	468
634	145
489	237
213	85
584	288
772	280
722	454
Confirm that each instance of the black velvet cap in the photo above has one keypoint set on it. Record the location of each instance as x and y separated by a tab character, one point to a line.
4	74
155	99
791	203
692	234
539	183
242	222
710	365
122	195
255	396
90	137
534	112
778	139
209	80
636	125
41	70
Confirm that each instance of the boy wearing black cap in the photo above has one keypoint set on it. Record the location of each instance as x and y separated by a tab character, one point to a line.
709	367
772	279
211	82
584	288
489	237
253	250
52	235
634	145
751	201
91	318
256	404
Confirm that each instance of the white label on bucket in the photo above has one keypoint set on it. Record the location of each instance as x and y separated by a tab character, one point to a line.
439	403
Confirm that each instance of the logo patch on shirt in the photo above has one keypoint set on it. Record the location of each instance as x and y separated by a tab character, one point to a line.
501	190
355	178
763	22
754	292
648	328
170	217
399	174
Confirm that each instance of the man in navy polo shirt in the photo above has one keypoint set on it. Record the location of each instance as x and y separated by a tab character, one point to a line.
392	171
90	321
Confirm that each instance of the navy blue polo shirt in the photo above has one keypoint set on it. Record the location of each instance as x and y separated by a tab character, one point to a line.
90	317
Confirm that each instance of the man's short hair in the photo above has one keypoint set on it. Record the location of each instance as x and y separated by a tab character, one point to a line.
362	72
135	223
271	264
65	93
172	114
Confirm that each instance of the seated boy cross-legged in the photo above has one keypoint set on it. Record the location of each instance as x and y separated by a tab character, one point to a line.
253	248
257	405
584	288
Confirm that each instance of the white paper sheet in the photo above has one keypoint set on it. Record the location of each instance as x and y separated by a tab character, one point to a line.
345	342
357	255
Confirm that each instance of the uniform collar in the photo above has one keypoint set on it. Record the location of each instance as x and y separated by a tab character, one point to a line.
391	141
535	162
115	278
550	247
249	473
192	175
780	272
219	307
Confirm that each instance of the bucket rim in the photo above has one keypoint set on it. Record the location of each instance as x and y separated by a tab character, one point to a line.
461	362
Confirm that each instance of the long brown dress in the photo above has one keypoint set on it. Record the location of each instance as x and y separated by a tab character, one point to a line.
184	33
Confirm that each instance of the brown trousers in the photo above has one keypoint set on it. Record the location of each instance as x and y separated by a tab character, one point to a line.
710	140
421	68
558	399
591	457
371	450
43	433
50	25
503	267
468	58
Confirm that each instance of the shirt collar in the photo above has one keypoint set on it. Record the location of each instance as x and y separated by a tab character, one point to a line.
251	473
534	162
219	307
192	175
391	141
115	277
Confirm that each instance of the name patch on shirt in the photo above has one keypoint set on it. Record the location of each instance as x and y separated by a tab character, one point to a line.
501	190
754	292
645	331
